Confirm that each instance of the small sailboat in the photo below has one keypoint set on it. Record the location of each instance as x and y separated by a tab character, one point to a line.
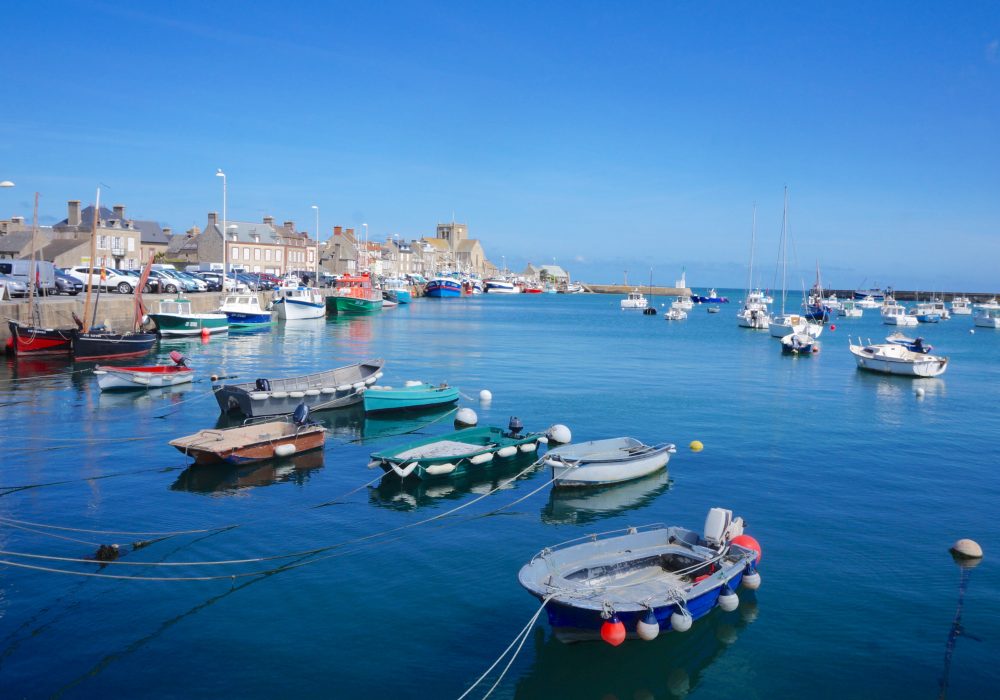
785	323
754	313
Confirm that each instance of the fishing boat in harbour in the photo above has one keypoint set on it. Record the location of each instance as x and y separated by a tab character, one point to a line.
413	395
850	309
642	581
498	285
634	300
32	341
711	298
254	442
604	462
244	311
457	453
333	388
894	314
961	306
397	290
354	296
892	358
443	287
175	318
987	315
293	302
872	295
145	377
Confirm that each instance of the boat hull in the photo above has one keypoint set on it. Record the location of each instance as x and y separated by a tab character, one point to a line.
909	364
215	446
352	306
100	346
407	399
246	319
297	310
141	378
27	340
569	473
443	289
178	325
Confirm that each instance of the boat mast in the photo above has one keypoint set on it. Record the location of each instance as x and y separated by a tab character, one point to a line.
784	251
32	305
93	254
753	245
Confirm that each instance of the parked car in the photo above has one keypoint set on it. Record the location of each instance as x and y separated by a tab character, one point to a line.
232	284
165	284
136	276
214	284
200	284
12	287
114	280
67	284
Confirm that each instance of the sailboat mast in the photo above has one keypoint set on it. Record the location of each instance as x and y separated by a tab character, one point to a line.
93	254
784	251
32	282
753	245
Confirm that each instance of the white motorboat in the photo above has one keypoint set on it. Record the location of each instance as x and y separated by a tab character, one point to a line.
832	302
987	315
894	314
634	300
850	309
244	311
937	306
603	462
501	286
784	324
799	344
961	306
869	302
293	303
675	314
754	313
891	358
682	303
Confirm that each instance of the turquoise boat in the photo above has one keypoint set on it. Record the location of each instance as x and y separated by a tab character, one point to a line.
414	395
458	453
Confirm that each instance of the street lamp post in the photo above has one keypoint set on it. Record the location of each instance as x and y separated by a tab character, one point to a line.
316	207
225	242
367	265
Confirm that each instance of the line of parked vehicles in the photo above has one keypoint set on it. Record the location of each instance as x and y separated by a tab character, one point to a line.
163	279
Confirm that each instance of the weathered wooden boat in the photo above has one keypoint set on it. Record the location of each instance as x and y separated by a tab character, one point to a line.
414	395
641	581
890	358
333	388
799	344
145	377
912	344
254	442
456	453
175	318
31	340
603	462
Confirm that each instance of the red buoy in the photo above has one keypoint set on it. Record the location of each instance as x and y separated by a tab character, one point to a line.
205	333
613	631
750	543
833	327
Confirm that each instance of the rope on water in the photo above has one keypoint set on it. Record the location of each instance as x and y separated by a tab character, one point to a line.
214	390
12	489
522	636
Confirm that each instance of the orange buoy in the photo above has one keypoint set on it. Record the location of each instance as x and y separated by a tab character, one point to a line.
205	332
750	543
613	631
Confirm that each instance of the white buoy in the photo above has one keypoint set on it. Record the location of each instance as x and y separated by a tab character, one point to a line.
972	331
485	395
559	433
728	600
284	450
919	392
648	628
681	621
751	581
466	417
969	549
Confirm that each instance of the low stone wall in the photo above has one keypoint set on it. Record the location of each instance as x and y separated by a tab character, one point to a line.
645	289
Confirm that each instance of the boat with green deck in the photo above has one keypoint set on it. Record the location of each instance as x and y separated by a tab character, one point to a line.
355	296
458	453
175	318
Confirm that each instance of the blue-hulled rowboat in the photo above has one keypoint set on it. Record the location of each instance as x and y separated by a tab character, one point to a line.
641	581
413	395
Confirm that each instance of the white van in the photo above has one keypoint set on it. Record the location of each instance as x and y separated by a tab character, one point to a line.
22	271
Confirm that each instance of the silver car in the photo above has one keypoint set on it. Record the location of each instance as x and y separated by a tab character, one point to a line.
10	287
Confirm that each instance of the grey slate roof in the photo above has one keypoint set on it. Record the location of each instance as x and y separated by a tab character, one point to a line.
152	234
13	243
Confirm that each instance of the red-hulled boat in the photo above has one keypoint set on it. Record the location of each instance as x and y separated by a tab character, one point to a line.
29	340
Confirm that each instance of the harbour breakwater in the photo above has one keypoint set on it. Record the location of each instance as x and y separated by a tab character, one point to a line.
737	294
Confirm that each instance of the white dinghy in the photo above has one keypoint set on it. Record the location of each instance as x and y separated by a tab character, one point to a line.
603	462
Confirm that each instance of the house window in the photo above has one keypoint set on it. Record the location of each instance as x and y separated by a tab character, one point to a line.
256	256
312	255
277	256
117	244
102	242
246	253
267	255
131	246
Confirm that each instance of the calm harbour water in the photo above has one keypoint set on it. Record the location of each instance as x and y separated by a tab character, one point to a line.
854	486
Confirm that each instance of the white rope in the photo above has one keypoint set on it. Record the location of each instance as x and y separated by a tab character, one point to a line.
522	635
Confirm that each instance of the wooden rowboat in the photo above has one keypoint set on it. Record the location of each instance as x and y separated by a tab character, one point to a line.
255	442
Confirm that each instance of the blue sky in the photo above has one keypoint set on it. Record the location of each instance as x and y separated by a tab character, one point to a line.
604	137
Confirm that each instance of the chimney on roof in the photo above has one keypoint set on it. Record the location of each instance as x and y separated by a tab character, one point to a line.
119	210
269	220
213	218
338	231
167	230
73	217
17	219
290	226
192	232
350	232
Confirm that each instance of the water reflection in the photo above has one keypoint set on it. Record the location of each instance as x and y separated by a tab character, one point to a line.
670	666
145	398
587	505
394	493
226	478
344	424
965	566
382	425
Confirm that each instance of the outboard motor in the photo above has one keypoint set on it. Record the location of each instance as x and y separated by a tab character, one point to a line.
263	384
178	358
515	426
301	414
